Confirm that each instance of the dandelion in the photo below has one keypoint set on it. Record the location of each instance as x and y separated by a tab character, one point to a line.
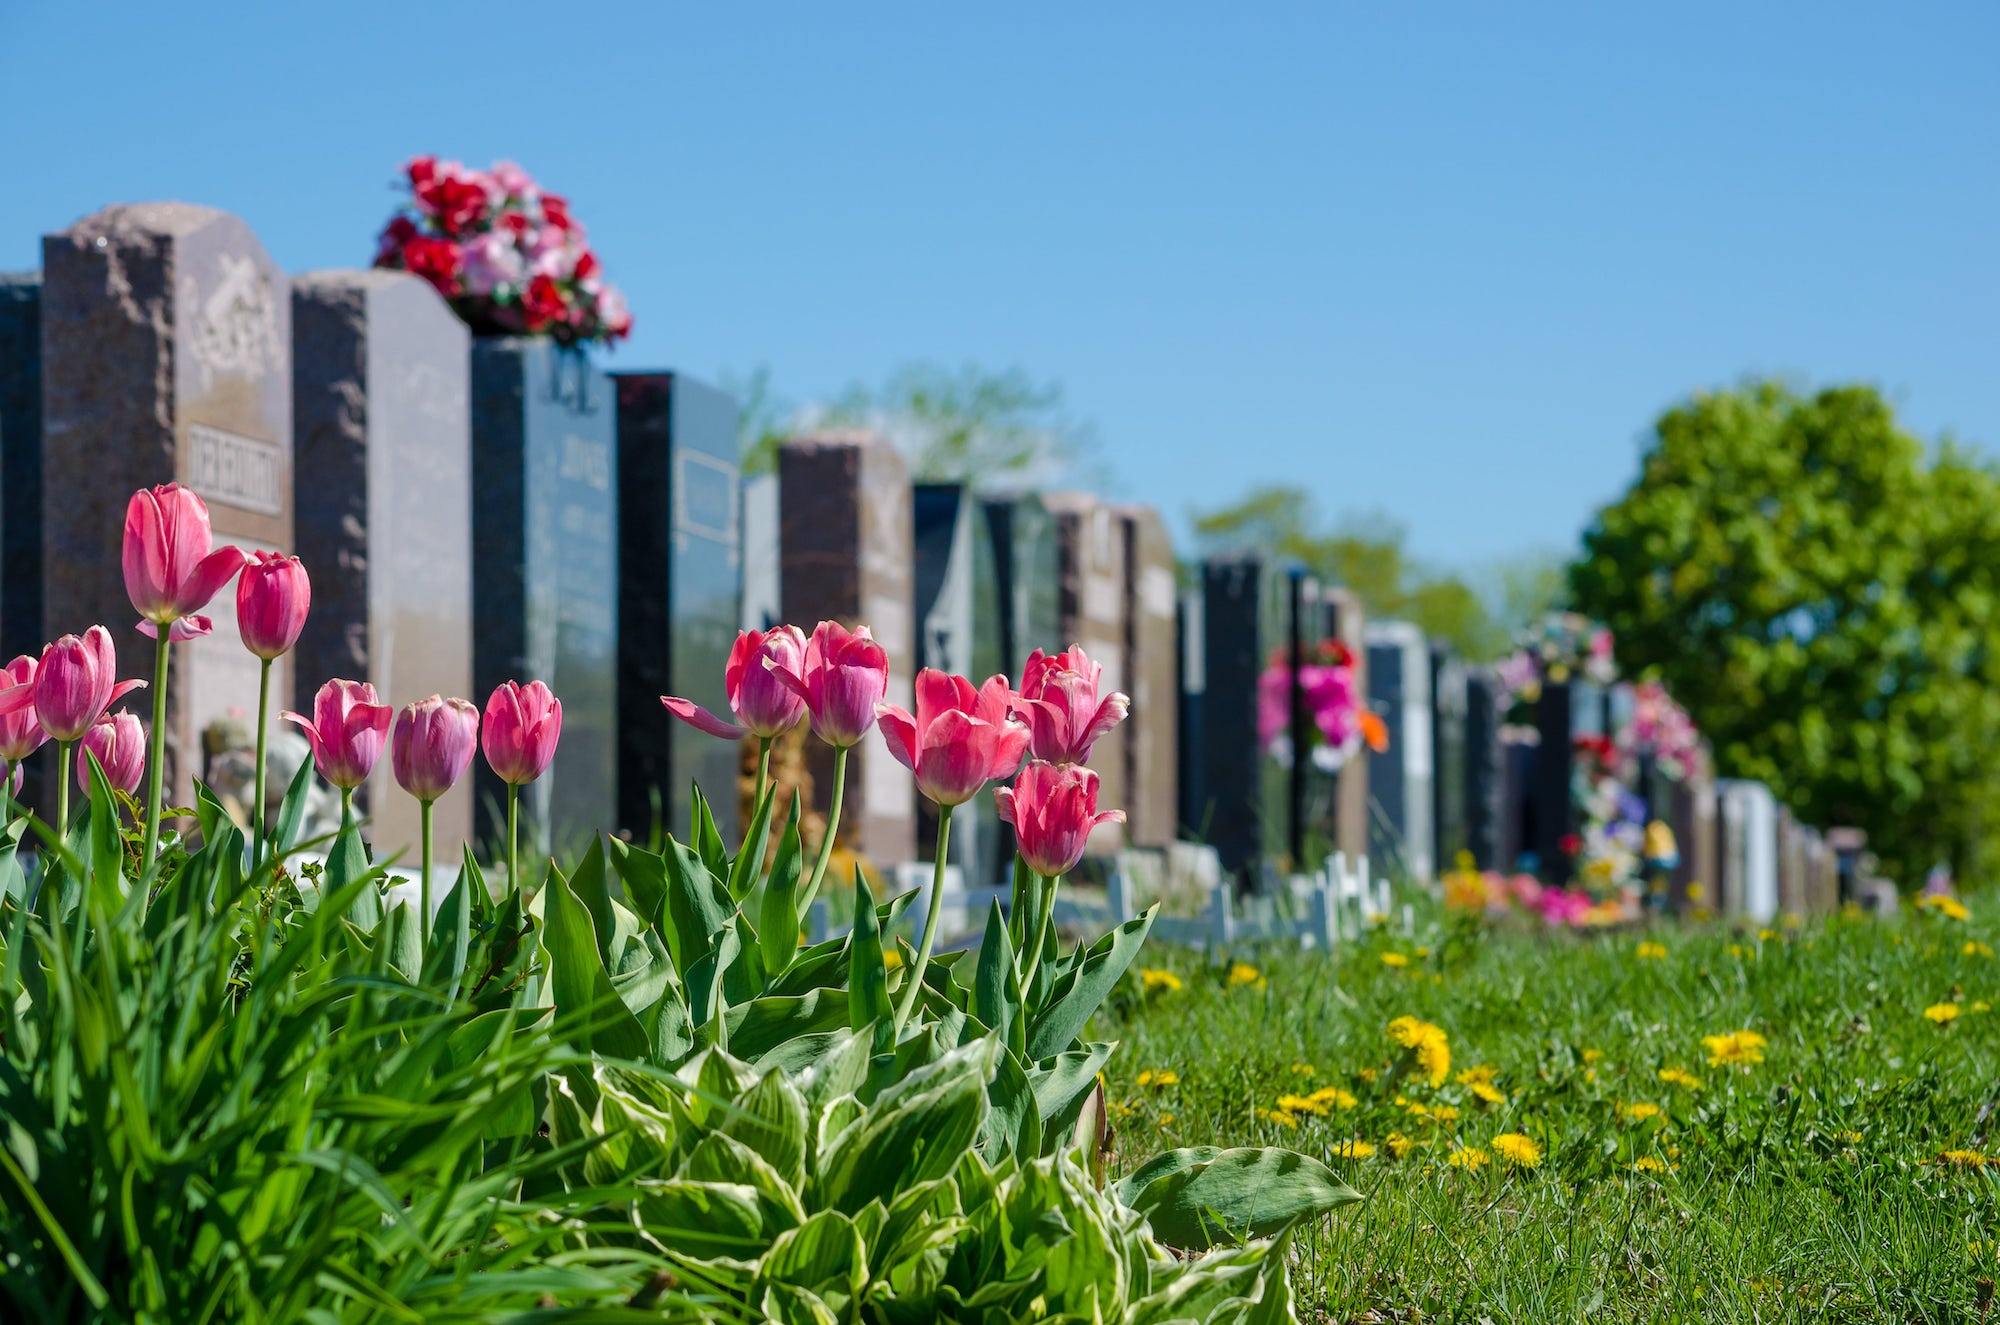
1943	1014
1243	973
1368	1074
1165	1119
1974	948
1734	1048
1650	952
1335	1096
1680	1076
1766	934
1395	960
1427	1044
1487	1091
1302	1069
1159	1078
1964	1159
1649	1164
1352	1149
1469	1158
1280	1117
1848	1137
1399	1145
1517	1150
1153	980
1641	1110
1592	1055
1979	1005
1740	953
1945	905
1302	1104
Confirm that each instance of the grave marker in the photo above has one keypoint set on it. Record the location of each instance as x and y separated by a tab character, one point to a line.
1090	541
1152	751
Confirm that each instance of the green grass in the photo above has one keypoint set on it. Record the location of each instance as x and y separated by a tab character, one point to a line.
1807	1187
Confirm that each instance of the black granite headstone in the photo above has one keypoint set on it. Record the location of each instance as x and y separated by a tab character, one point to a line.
1449	695
21	463
1239	793
545	552
1399	778
1484	780
680	583
1027	571
958	617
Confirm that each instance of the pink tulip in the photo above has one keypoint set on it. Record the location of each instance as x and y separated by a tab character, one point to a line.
520	731
1053	807
21	731
346	731
170	574
960	738
273	596
1059	699
72	685
432	745
763	704
119	742
841	679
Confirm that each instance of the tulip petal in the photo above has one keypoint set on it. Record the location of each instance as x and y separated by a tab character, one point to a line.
899	733
122	689
15	698
1003	802
210	574
699	718
793	682
1109	714
305	725
1008	747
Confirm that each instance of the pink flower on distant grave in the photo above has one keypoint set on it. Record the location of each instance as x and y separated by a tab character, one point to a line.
170	573
509	180
763	703
959	739
520	731
73	684
119	742
842	679
1059	698
489	262
346	731
1053	808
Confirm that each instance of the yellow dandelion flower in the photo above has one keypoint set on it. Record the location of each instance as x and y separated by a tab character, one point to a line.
1517	1150
1416	1108
1280	1117
1427	1043
1592	1055
1979	1005
1334	1095
1485	1072
1399	1144
1488	1092
1302	1104
1243	973
1792	920
1368	1074
1422	951
1302	1069
1470	1158
1650	952
1734	1048
1640	1110
1649	1164
1153	980
1159	1078
1740	953
1766	935
1353	1149
1942	1013
1945	905
1848	1137
1165	1118
1395	960
1680	1076
1964	1159
1974	948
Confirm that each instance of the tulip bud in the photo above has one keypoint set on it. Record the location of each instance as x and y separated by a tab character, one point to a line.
74	683
170	574
1053	807
753	679
21	731
119	742
1059	695
346	731
842	679
959	739
272	598
432	745
520	731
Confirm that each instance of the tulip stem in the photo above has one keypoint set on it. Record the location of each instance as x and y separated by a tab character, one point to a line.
424	831
832	829
346	808
263	733
513	837
6	795
1047	889
156	764
63	749
932	909
763	770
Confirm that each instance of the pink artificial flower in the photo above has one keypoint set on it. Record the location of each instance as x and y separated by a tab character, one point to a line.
432	745
72	686
520	731
273	595
346	731
764	705
119	742
489	262
959	739
842	680
1060	700
170	573
1053	808
21	731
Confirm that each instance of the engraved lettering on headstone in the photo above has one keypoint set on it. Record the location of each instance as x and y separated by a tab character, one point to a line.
234	330
235	470
704	500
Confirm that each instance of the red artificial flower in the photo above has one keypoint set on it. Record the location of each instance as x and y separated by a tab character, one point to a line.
436	260
515	222
389	247
555	211
457	203
421	170
542	303
1570	844
586	265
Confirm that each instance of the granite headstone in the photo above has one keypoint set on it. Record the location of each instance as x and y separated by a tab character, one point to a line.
1090	541
1449	695
545	599
680	584
21	463
957	610
1229	806
166	355
1347	623
762	597
1484	775
1400	776
1152	750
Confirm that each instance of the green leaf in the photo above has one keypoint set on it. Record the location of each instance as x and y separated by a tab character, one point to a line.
590	1008
824	1255
749	862
996	985
778	918
451	937
348	863
1061	1085
698	909
707	840
1013	1121
868	974
771	1120
915	1131
1201	1196
292	811
1077	995
703	1218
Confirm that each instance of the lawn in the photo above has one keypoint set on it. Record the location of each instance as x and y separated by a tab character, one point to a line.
1588	1152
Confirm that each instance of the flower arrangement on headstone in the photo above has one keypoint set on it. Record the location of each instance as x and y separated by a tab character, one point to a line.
504	252
1562	646
1664	731
1337	724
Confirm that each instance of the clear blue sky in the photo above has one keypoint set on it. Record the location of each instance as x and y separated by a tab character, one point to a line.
1444	261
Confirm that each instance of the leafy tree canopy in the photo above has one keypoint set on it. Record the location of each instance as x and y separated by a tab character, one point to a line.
1821	593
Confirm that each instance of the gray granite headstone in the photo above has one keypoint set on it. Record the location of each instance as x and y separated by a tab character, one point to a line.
545	595
1153	748
1347	623
763	598
383	493
1027	567
166	355
1090	541
1400	777
680	585
844	550
958	619
1449	697
21	463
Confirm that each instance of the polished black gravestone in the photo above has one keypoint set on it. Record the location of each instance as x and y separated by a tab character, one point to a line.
1449	697
545	548
1241	793
958	617
21	462
680	586
1399	778
1484	773
1027	570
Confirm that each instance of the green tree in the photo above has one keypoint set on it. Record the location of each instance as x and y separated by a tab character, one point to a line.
1365	554
1821	594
